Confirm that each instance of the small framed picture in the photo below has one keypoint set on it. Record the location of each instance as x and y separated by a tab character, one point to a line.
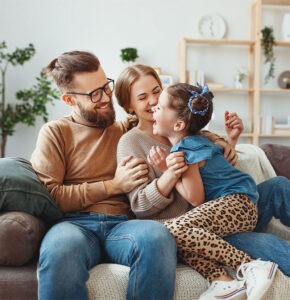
166	80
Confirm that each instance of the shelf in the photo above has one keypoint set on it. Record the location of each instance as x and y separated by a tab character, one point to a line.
275	90
219	41
247	134
286	135
254	86
275	2
233	90
282	43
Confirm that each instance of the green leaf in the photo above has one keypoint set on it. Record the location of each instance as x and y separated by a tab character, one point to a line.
31	103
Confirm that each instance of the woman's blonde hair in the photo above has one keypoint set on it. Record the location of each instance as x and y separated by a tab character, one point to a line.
128	76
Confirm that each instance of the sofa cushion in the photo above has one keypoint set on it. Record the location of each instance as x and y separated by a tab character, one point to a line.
21	190
20	237
279	156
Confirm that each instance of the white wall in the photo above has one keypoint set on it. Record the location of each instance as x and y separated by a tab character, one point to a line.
104	27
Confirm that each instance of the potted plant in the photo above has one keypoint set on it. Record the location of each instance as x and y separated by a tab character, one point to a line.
129	54
241	74
268	43
30	104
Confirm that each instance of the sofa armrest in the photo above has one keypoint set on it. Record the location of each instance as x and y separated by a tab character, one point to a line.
20	237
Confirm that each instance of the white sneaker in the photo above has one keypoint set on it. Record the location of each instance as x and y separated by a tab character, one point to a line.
225	290
258	276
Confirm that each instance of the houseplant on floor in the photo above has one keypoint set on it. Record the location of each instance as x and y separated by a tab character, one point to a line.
31	103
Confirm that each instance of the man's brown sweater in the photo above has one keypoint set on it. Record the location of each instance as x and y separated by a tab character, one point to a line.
76	161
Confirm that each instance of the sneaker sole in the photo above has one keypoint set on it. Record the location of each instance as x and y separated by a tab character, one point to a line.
237	295
271	276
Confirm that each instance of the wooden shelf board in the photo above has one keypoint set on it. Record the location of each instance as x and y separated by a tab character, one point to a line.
283	43
275	90
234	90
274	135
275	2
220	41
247	134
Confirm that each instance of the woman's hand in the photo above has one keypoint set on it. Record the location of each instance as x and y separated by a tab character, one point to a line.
234	127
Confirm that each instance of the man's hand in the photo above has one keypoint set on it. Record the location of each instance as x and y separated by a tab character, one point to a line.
130	173
229	152
157	158
234	127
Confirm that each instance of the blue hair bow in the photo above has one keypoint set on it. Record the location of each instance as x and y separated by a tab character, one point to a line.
194	94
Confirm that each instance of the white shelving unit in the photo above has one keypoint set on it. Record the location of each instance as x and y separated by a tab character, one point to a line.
255	89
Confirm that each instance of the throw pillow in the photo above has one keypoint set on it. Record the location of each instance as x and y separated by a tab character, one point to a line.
279	156
20	237
21	190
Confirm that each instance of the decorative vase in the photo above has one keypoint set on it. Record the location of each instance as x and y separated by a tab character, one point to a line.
238	82
286	27
284	80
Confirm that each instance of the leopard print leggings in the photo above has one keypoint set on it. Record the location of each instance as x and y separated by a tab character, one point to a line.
198	234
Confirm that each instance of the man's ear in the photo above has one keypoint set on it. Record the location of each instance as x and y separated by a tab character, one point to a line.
67	99
179	125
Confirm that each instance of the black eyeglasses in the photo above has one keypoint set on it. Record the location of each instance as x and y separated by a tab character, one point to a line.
97	94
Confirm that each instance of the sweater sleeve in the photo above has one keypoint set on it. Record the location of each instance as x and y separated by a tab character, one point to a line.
146	201
49	161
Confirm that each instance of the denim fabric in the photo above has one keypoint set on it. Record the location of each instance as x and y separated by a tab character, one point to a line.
274	201
266	246
81	241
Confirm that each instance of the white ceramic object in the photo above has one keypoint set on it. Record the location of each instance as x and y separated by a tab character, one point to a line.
286	27
212	26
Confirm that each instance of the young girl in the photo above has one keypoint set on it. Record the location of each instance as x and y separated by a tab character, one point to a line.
182	111
137	90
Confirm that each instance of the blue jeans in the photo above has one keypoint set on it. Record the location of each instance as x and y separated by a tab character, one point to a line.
274	201
80	241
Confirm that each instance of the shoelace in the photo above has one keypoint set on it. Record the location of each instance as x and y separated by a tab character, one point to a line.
244	269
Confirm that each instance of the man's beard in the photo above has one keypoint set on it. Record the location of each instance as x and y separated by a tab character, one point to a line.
101	120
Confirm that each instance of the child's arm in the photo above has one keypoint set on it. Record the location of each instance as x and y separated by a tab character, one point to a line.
175	168
190	185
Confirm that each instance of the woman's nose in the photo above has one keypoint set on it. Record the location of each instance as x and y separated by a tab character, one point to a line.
153	100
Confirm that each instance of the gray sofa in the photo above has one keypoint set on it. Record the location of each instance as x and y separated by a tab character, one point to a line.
21	233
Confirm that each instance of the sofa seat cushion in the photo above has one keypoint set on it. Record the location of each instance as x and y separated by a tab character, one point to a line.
20	237
21	190
109	281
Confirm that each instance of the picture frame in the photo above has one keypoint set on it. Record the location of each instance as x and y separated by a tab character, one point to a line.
166	80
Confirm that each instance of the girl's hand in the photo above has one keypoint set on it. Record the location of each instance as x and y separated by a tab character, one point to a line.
176	164
234	127
157	158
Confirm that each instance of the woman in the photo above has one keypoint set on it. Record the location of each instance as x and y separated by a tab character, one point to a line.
137	91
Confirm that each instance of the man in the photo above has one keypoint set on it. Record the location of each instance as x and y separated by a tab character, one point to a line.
75	157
